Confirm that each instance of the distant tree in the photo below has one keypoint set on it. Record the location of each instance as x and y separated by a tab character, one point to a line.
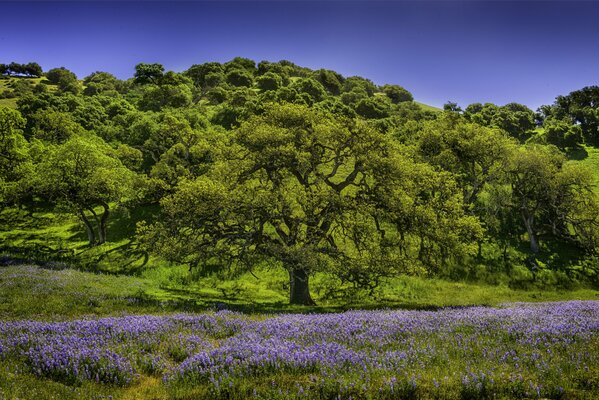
334	106
175	79
269	81
213	80
154	97
148	73
516	119
33	69
65	79
357	82
278	69
352	97
241	63
55	75
311	87
217	95
452	107
581	107
239	77
101	83
53	126
331	80
474	154
16	68
473	108
199	72
397	94
533	173
373	108
562	134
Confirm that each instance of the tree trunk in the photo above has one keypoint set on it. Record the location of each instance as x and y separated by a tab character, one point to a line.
299	289
532	236
102	227
91	237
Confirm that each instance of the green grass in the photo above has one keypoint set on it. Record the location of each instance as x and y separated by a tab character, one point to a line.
31	292
589	157
10	103
6	82
426	107
118	277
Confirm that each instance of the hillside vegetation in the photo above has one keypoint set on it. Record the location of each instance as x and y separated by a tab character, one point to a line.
274	183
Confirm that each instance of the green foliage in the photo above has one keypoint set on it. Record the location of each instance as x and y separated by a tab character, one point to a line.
54	126
516	119
359	83
14	153
81	174
148	73
373	108
241	63
427	181
31	69
239	77
397	94
330	80
562	133
64	79
580	106
310	87
102	83
156	97
321	190
269	81
205	75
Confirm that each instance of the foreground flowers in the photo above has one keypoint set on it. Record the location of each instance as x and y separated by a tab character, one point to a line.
519	350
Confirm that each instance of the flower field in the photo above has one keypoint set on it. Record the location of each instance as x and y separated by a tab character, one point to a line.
520	350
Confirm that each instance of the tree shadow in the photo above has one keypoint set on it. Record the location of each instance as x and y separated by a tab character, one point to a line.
577	154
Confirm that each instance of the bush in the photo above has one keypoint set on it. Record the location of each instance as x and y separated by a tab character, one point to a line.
520	277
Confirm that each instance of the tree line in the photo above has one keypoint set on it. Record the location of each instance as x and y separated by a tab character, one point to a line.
309	171
31	69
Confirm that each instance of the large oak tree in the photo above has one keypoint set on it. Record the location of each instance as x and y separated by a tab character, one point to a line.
313	193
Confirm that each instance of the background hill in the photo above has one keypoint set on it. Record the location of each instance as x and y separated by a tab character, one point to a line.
483	194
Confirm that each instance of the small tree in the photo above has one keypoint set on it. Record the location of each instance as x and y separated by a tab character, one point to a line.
148	73
397	94
239	77
269	81
65	79
13	151
82	174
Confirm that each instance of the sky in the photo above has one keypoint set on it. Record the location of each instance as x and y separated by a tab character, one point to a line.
462	51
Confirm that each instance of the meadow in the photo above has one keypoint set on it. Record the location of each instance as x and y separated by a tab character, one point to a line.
518	350
73	334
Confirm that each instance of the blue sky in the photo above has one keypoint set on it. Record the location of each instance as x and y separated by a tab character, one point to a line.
463	51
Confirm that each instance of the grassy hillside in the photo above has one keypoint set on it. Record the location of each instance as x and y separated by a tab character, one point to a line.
11	88
589	157
426	107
